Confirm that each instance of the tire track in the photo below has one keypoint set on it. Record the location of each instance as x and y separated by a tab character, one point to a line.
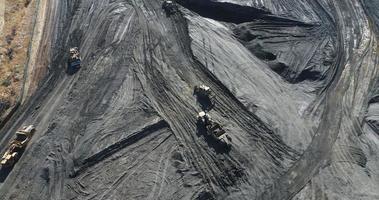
206	161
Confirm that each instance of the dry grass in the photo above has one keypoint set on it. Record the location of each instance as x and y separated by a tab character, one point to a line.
13	47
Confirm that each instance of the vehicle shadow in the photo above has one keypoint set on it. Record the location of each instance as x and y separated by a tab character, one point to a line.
218	146
71	71
206	104
5	170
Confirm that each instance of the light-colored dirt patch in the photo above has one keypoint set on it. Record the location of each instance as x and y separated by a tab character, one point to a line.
2	7
16	27
38	62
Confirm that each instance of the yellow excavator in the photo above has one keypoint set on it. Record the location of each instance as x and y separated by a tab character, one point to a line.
17	146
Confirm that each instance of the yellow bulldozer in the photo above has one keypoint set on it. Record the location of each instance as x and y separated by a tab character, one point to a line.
17	146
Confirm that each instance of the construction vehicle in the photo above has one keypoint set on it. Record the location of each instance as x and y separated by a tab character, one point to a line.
74	60
17	146
205	96
170	7
204	91
213	129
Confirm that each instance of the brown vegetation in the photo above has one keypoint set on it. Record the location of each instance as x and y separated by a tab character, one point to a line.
14	43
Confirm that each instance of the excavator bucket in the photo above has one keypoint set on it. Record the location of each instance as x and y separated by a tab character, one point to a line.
8	159
5	159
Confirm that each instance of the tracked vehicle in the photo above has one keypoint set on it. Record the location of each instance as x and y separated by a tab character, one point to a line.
205	96
213	129
17	146
204	91
169	7
74	60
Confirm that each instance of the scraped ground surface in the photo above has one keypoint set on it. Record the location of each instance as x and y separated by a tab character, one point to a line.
296	90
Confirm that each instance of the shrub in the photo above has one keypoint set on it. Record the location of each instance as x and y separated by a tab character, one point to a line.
8	39
6	82
27	2
14	31
9	53
4	105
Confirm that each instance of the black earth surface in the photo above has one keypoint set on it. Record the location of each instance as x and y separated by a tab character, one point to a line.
296	89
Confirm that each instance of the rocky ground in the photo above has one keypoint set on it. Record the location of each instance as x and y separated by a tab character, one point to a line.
295	84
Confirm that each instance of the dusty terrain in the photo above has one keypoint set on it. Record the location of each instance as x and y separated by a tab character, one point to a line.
17	17
296	85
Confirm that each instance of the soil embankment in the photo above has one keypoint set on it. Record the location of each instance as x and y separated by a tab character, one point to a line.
20	34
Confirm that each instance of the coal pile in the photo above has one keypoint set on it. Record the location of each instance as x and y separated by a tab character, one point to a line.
295	85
